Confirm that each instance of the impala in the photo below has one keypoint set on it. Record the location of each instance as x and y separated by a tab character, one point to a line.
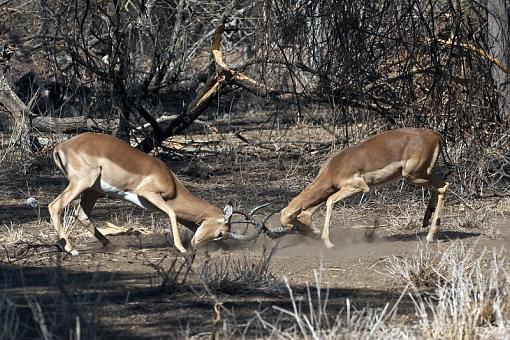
409	153
98	164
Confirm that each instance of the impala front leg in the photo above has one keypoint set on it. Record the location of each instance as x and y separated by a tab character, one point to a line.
431	207
156	200
306	217
175	231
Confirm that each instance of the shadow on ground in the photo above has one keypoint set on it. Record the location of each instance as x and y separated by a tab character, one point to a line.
445	235
132	305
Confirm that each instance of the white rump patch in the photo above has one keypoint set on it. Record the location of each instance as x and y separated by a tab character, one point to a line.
128	196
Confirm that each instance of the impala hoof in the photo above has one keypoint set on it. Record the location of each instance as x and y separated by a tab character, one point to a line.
65	246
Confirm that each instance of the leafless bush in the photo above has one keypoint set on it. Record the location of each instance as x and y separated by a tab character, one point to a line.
229	274
14	159
401	64
172	276
482	168
217	274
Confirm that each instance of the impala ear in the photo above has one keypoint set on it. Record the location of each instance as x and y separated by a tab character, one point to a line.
227	212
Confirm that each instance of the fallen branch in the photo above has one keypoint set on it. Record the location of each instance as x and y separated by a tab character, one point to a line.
73	124
164	119
482	53
114	230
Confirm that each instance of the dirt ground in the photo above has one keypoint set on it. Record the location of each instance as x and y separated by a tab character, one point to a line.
122	293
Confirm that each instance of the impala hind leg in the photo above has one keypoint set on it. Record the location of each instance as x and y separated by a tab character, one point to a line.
87	202
438	189
158	201
75	187
434	226
343	193
431	207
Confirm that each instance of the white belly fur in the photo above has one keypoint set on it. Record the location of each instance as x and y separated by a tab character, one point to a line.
128	196
389	172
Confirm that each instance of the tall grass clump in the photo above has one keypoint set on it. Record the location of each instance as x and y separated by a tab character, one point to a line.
310	318
455	292
230	274
468	293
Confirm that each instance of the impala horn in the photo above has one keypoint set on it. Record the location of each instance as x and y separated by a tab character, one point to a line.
248	219
260	226
277	232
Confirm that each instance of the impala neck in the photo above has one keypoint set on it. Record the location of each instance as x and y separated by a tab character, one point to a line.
315	193
191	209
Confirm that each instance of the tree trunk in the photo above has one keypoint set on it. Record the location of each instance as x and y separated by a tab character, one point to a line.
14	113
497	21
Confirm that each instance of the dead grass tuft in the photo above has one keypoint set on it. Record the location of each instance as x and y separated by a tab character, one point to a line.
230	274
173	275
468	293
13	234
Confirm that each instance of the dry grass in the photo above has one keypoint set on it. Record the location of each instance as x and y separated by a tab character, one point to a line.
236	274
423	270
468	297
309	318
13	234
470	292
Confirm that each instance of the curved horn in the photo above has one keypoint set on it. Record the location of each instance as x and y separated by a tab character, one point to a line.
247	218
254	210
278	231
247	237
260	226
248	214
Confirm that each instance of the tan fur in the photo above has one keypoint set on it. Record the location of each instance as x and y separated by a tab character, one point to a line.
88	158
409	152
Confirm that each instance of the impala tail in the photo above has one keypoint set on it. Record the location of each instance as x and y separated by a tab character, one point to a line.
59	159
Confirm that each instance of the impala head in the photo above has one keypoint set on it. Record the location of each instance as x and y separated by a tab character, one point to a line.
220	228
213	229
